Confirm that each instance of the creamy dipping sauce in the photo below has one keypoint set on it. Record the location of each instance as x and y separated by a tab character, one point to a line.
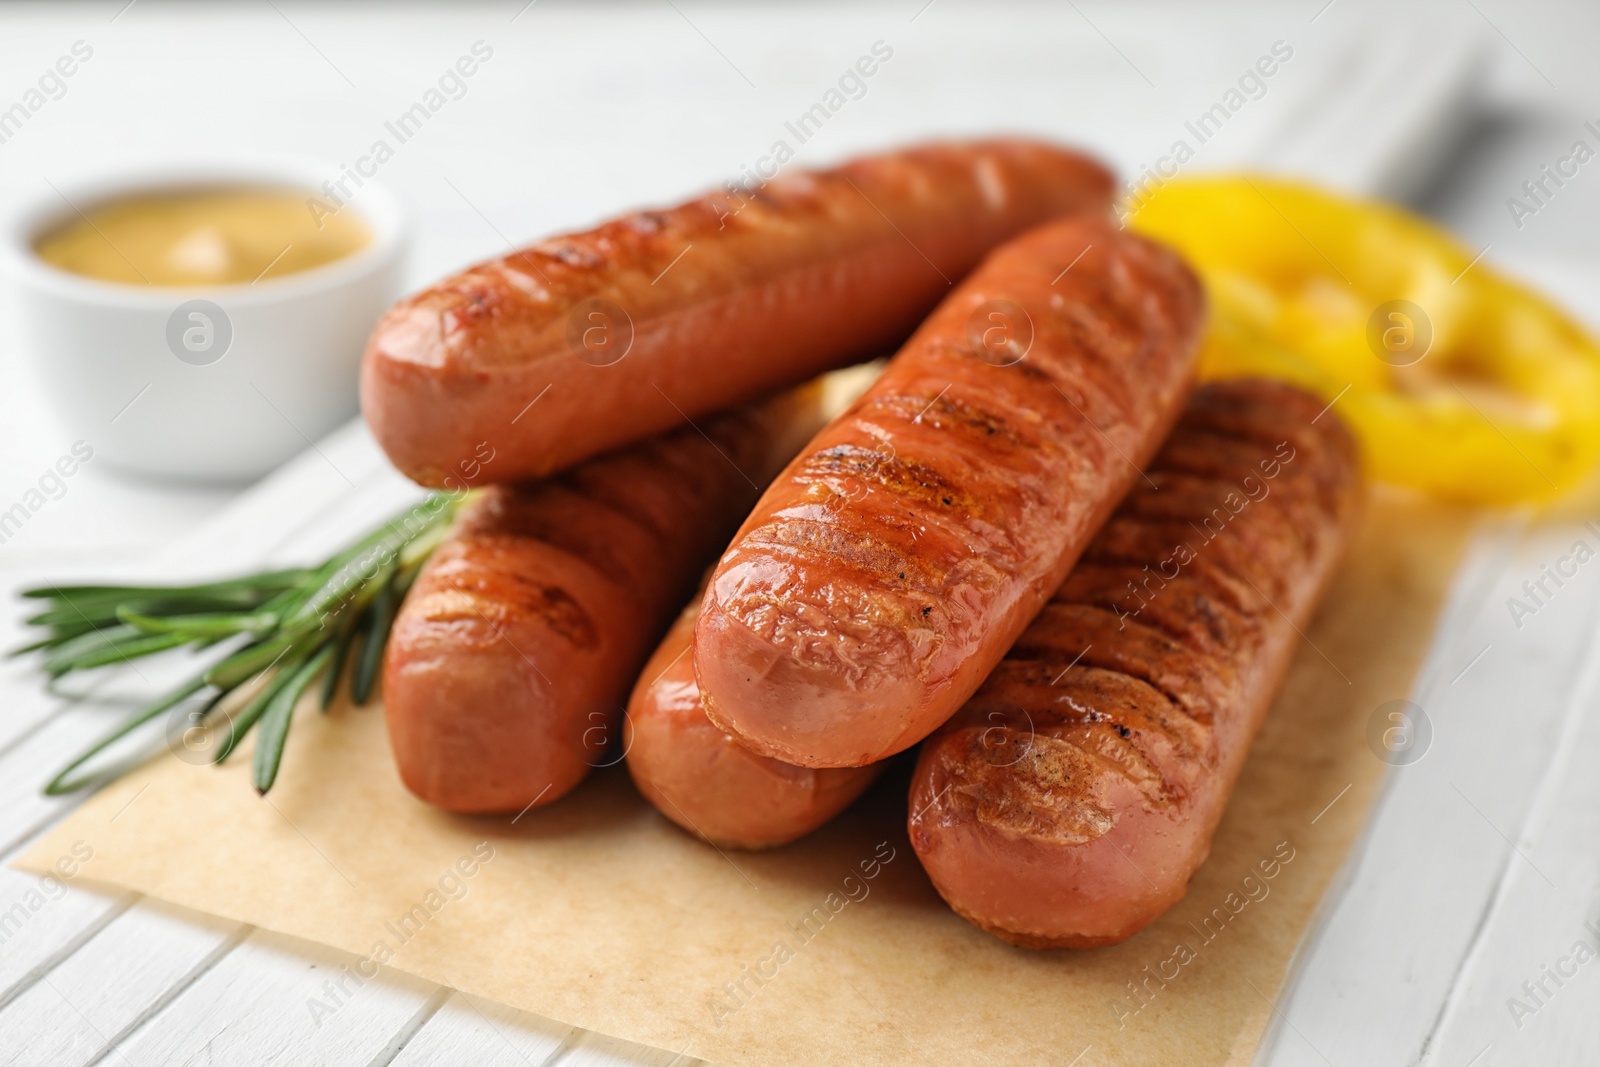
233	235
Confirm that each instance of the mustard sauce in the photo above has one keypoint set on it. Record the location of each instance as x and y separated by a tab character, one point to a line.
201	237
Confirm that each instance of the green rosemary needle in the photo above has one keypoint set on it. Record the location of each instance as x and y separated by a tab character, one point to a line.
284	628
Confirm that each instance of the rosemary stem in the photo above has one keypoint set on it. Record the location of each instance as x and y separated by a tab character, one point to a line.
282	627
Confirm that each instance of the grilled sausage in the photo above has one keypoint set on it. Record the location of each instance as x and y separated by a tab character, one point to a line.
711	303
510	660
888	569
705	781
1070	801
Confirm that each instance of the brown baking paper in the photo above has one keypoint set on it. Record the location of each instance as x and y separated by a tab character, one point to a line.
598	912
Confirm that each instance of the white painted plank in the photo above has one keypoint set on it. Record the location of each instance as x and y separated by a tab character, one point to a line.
1369	139
1374	983
472	1030
46	919
1529	985
29	705
486	1034
260	1004
100	993
42	921
599	1050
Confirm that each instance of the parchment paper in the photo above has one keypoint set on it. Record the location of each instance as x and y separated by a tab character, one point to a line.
598	912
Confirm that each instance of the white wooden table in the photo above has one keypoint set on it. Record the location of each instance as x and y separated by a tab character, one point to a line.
1481	867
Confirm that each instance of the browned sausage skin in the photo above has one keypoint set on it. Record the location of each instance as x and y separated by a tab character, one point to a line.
702	779
887	570
641	321
511	658
1069	803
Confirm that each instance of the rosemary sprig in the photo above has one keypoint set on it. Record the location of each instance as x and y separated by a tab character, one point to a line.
283	628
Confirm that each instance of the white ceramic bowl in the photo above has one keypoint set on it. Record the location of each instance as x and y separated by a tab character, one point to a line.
220	383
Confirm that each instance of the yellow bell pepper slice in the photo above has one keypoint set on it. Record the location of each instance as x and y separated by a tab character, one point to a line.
1460	382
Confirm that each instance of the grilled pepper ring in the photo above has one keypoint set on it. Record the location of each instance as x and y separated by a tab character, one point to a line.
1460	382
